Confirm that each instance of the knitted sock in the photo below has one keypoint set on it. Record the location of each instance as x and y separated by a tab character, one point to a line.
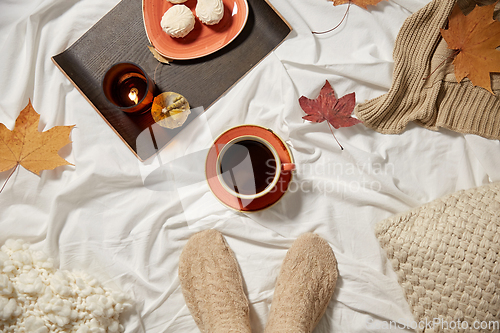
212	285
304	286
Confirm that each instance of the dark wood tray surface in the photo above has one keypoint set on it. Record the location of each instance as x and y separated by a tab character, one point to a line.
120	36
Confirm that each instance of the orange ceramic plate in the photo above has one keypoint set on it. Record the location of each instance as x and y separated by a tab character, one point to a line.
203	39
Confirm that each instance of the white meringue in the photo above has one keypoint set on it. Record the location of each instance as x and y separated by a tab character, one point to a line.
210	11
178	21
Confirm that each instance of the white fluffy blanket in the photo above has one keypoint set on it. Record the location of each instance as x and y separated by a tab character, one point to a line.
36	297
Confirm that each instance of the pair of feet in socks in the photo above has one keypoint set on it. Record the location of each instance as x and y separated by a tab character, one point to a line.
213	288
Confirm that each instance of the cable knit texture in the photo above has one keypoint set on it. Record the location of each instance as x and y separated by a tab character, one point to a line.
304	286
446	255
431	101
212	285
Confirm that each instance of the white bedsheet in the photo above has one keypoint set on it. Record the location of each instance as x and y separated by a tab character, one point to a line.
99	216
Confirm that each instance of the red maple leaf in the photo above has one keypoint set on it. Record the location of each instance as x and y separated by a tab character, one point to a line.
337	112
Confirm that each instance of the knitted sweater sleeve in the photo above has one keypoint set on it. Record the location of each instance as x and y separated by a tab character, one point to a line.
436	100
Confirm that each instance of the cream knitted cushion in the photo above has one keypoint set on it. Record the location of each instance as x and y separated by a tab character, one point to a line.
446	256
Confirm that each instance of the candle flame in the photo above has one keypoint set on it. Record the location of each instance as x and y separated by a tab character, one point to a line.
133	95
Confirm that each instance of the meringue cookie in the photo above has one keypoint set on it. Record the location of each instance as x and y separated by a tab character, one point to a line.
178	21
210	11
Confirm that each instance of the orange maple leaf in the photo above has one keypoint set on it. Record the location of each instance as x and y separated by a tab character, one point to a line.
475	38
26	146
360	3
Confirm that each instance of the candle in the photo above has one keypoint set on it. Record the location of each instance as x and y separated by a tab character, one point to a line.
128	87
132	95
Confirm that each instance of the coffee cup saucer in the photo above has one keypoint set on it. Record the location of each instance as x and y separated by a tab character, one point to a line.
230	200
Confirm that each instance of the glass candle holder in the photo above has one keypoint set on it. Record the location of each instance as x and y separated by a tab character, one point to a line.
128	87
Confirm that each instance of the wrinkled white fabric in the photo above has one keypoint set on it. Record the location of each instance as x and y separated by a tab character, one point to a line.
102	214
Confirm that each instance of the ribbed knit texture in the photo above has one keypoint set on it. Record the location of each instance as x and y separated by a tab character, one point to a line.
304	286
435	101
212	285
447	258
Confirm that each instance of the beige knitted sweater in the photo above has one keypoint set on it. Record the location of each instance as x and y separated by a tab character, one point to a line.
436	101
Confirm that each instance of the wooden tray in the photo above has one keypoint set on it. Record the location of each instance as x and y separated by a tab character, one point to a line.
120	36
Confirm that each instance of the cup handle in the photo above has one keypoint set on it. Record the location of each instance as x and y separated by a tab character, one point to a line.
287	166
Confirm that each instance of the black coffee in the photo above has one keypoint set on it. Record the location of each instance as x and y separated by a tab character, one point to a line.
248	167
